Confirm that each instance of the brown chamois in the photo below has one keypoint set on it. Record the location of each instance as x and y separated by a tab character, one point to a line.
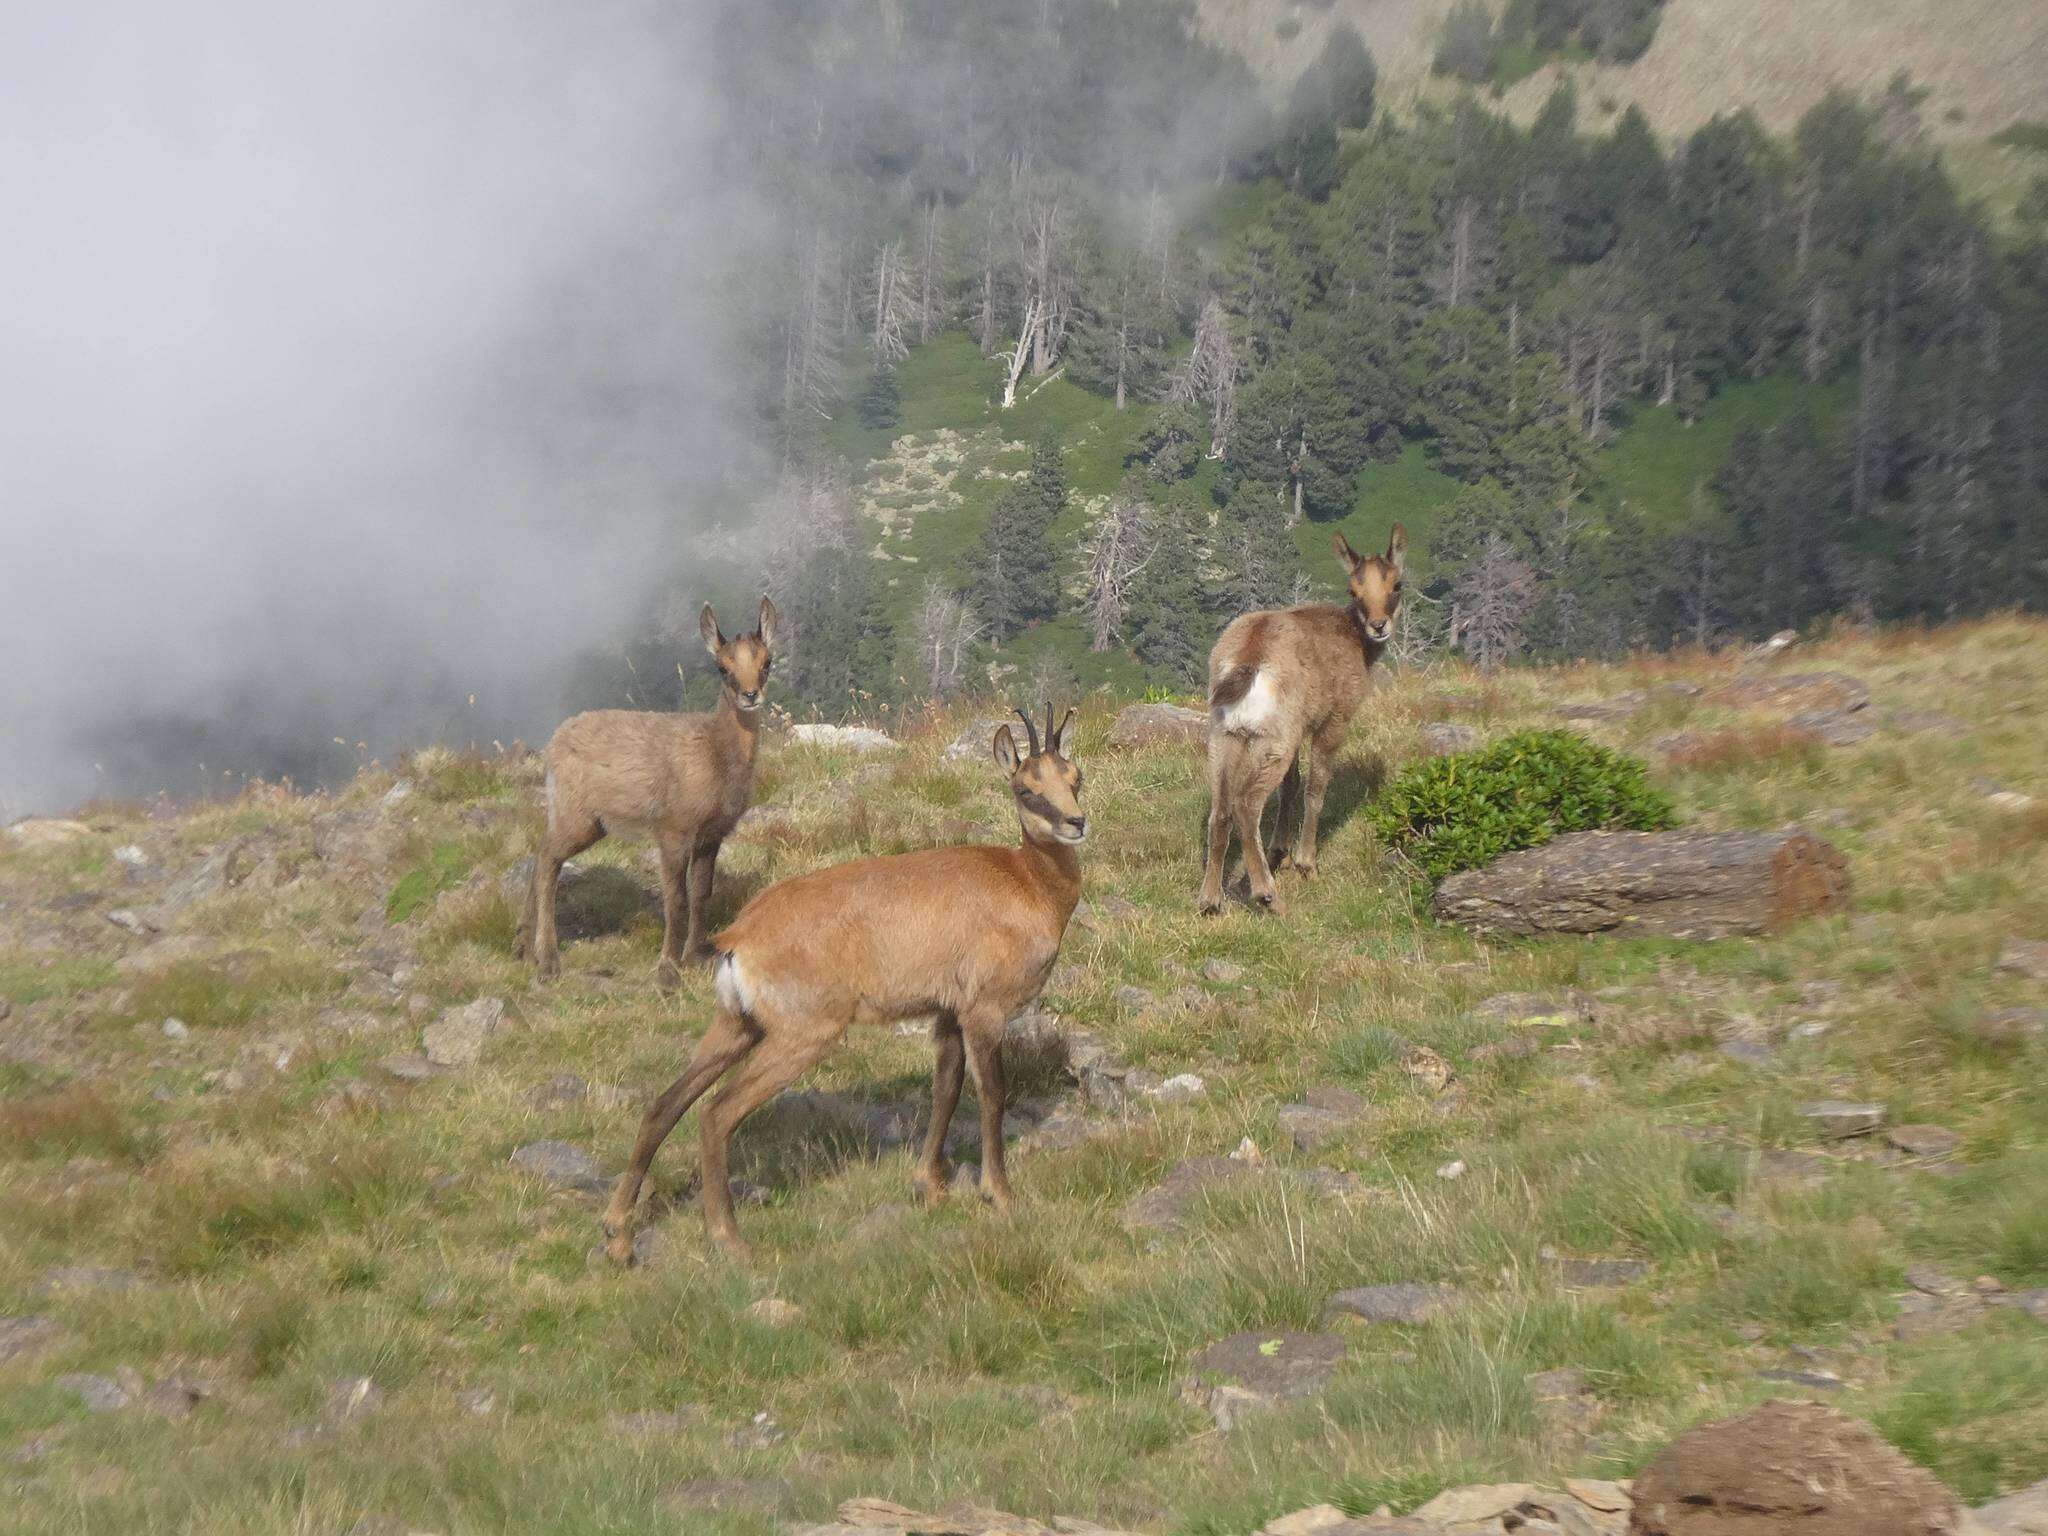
965	936
1281	680
684	778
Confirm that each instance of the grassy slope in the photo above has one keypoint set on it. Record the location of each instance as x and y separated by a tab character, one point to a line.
286	1239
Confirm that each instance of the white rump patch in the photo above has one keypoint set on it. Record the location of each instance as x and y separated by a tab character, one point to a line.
735	994
1256	711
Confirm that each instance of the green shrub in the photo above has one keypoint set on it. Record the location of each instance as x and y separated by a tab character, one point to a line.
1465	810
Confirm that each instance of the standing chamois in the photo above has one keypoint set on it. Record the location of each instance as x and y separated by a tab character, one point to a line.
685	778
964	935
1281	680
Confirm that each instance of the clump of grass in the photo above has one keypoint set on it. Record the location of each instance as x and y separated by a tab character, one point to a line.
446	865
230	995
72	1121
1743	747
484	917
456	778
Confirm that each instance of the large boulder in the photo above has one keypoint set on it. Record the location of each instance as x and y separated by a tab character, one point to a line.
1788	1467
1685	884
852	738
1149	725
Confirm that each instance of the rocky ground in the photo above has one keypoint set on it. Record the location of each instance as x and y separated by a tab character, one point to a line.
1348	1212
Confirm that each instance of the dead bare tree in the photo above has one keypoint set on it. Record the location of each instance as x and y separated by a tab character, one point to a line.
1015	358
1120	544
931	273
1493	599
890	306
811	348
1209	375
946	629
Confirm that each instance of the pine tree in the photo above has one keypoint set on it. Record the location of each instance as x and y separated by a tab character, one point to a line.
1299	445
881	402
1173	615
1013	573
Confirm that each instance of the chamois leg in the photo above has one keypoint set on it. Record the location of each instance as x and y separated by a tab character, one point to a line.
1249	808
1322	762
675	865
703	866
1277	855
728	1038
985	1060
560	843
781	1059
1211	899
931	1176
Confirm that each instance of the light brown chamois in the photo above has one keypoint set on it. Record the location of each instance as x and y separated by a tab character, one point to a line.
684	778
1281	680
965	936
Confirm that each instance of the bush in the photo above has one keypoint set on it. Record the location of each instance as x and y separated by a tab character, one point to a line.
1465	810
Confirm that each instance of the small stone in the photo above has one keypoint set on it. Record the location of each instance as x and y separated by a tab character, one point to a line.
2024	957
1810	1029
1535	1009
131	856
85	1277
408	1067
761	1433
1134	999
1248	1152
130	922
457	1038
563	1088
1987	1285
1924	1140
176	1029
1835	1118
1222	970
1182	1088
1930	1281
775	1312
1481	1501
1309	1127
1600	1274
1230	1406
352	1397
1405	1301
562	1165
1815	1381
1559	1382
1427	1068
100	1394
1753	1053
1447	736
1452	1170
480	1402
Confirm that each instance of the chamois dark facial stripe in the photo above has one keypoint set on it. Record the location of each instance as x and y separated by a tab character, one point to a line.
1038	805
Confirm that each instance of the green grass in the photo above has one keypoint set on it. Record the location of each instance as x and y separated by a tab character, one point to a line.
1654	462
287	1234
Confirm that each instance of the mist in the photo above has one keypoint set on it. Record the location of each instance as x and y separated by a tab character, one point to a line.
357	366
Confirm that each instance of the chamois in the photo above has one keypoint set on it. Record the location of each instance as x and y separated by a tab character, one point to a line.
966	935
1280	680
685	778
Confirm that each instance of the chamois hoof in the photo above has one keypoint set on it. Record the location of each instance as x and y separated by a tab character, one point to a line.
932	1189
734	1249
699	954
668	976
1270	900
1207	905
618	1246
549	969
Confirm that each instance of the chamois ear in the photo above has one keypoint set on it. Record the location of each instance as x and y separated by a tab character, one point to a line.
707	626
1345	552
766	628
1006	750
1397	547
1061	729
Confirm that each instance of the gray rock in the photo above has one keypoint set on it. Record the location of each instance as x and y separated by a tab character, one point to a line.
1135	999
1446	737
479	1402
1146	725
1922	1317
1930	1141
23	1336
1813	1381
100	1394
2024	957
352	1397
1167	1205
1514	1048
2017	1514
1751	1053
1835	727
2011	1026
409	1067
176	1029
976	742
1406	1301
131	922
1792	1166
1930	1281
1182	1088
456	1039
563	1088
1530	1009
1337	1098
562	1165
761	1433
1600	1274
1836	1118
1222	970
131	856
852	738
1277	1365
1309	1127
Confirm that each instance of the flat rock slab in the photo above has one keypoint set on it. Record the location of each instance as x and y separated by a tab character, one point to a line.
1837	1118
1534	1009
100	1394
1815	692
1405	1301
1280	1364
457	1038
855	738
1924	1140
2017	1514
1309	1127
23	1336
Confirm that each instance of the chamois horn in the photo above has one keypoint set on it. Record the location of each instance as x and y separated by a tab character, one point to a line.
1033	729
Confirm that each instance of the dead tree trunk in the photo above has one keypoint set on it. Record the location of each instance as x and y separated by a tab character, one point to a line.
1683	885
